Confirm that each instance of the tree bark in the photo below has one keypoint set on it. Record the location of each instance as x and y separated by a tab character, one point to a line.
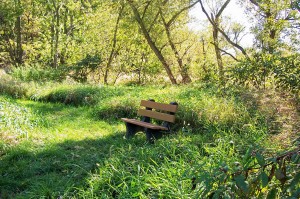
218	52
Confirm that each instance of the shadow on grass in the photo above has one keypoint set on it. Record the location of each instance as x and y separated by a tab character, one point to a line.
56	114
56	169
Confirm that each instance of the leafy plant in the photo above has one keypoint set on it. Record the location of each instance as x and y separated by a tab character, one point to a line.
287	72
12	87
255	175
263	67
38	73
84	67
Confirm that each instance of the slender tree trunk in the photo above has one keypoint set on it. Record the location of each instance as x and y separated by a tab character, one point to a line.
113	49
52	40
55	58
152	44
183	69
215	22
218	52
19	50
204	56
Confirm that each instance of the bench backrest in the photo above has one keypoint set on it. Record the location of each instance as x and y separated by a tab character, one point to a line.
164	112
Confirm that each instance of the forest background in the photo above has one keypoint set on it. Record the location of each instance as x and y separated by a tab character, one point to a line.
110	41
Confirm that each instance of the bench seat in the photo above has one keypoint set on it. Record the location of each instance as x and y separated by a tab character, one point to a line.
145	124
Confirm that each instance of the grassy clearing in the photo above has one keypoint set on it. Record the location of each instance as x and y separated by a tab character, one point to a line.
67	141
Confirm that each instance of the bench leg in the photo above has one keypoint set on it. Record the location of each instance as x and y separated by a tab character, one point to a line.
132	129
152	135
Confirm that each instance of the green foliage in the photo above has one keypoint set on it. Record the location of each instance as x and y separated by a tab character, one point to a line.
83	68
215	150
12	87
117	108
263	67
83	95
17	120
38	74
287	72
254	72
74	94
254	176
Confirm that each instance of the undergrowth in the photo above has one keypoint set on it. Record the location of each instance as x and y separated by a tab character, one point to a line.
74	148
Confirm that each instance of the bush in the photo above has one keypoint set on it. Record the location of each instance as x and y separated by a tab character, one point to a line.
263	67
12	87
80	71
287	73
39	74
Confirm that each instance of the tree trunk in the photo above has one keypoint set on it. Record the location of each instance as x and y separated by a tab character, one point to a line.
218	53
113	49
204	55
19	50
56	37
52	40
183	69
152	44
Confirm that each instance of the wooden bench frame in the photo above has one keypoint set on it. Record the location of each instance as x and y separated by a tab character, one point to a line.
159	111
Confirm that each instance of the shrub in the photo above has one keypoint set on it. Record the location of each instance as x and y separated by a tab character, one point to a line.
12	87
287	73
80	71
39	74
263	67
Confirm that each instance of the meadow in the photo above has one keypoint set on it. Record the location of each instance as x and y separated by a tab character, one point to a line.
65	140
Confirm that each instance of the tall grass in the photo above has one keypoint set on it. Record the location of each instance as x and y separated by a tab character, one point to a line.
12	87
81	152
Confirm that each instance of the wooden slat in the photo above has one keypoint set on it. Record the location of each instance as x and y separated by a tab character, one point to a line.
159	106
157	115
145	124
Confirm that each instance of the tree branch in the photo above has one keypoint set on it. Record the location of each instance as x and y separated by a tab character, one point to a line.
222	8
225	52
169	23
222	32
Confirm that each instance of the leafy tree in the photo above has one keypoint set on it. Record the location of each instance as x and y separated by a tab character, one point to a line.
11	30
273	18
215	20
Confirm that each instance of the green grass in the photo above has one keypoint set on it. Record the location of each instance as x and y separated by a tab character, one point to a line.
53	149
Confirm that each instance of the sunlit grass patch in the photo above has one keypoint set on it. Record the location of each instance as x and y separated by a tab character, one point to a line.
78	150
16	121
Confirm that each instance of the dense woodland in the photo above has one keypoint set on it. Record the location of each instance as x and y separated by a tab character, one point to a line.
70	69
109	41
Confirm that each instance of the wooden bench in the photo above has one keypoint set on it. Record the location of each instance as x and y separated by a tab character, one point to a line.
152	110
